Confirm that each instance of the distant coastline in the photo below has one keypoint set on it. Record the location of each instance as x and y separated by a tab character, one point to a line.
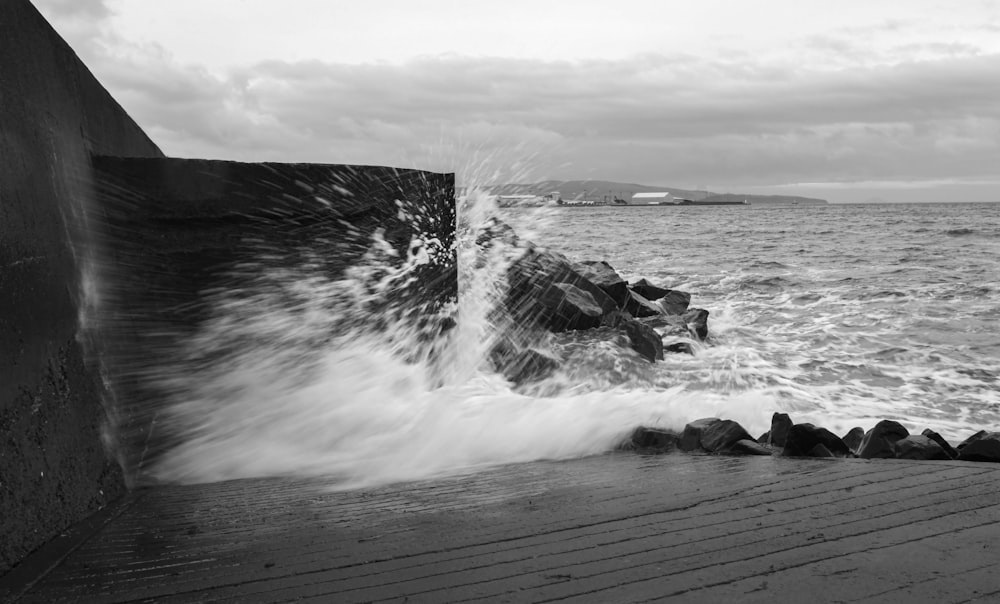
590	193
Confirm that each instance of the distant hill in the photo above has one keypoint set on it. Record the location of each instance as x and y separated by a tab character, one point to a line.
592	189
768	199
606	190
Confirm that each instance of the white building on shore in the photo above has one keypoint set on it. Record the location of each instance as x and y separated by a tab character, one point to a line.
652	199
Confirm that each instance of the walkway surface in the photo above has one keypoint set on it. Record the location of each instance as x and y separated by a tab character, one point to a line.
613	528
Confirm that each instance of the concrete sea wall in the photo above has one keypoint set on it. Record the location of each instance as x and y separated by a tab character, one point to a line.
105	243
53	116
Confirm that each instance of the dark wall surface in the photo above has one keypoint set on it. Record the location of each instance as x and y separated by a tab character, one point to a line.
175	235
53	115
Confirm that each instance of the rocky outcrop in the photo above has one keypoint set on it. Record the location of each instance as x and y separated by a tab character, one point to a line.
547	292
648	291
807	440
534	295
640	307
982	446
854	437
675	302
655	439
948	449
780	426
642	337
920	447
888	439
697	322
879	441
602	275
564	306
713	435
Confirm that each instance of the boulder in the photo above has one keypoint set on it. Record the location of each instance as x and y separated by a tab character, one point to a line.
971	439
567	307
803	438
931	434
749	447
920	447
720	436
984	448
675	302
639	307
642	337
697	322
648	291
691	436
878	442
854	437
654	438
605	277
531	297
780	425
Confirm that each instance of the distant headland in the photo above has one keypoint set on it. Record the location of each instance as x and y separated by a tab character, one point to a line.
609	193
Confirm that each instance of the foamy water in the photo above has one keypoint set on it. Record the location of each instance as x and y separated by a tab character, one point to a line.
840	316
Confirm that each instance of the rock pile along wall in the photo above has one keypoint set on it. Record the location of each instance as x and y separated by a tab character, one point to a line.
105	243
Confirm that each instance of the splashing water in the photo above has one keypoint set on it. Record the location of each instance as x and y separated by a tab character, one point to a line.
302	375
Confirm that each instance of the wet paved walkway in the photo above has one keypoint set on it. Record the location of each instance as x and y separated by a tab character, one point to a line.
614	528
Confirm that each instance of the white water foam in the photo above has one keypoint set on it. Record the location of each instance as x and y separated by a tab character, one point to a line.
266	390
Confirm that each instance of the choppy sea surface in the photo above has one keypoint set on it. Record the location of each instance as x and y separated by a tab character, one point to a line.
841	315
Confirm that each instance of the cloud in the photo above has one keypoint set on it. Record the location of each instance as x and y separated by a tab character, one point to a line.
680	117
916	111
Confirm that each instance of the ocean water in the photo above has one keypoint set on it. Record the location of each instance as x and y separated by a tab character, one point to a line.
841	315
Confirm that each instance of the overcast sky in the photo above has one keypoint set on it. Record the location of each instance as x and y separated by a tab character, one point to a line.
850	100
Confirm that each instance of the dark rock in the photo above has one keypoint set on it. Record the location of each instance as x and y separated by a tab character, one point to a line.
675	302
691	436
719	436
971	439
679	348
854	437
654	438
780	425
878	442
764	438
697	322
749	447
820	450
531	297
920	447
648	291
642	337
803	438
931	434
568	307
985	448
605	277
640	307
